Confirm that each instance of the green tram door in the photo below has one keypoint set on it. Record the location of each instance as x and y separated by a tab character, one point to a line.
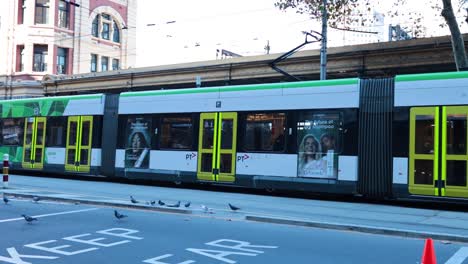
438	151
217	147
34	141
79	138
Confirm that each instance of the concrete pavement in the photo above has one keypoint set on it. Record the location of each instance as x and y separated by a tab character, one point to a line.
361	217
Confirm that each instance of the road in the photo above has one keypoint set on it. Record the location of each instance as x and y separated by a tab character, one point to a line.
69	233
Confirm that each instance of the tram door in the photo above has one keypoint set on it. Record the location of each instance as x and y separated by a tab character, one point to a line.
217	147
438	151
79	138
424	137
454	151
34	140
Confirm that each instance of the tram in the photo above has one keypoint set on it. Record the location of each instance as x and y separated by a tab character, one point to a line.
401	137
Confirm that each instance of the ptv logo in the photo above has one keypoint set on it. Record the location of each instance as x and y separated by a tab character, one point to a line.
190	156
243	157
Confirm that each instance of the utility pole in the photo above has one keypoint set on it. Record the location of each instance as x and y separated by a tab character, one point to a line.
323	50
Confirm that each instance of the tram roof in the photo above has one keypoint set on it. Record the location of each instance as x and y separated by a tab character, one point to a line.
250	87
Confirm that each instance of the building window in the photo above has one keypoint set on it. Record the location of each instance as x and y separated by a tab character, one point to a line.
115	64
105	31
93	63
20	58
95	27
62	60
21	11
63	14
42	12
105	27
116	33
104	63
39	60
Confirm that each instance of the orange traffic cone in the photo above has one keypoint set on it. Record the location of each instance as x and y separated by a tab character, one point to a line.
428	256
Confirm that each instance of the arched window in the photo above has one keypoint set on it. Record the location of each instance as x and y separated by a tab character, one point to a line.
116	34
106	27
95	27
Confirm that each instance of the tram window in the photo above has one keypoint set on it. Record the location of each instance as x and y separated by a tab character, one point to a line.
400	132
55	136
456	134
97	132
424	138
456	173
12	131
265	132
121	134
423	172
176	132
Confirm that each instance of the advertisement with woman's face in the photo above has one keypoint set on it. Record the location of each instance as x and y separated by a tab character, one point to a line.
138	143
317	141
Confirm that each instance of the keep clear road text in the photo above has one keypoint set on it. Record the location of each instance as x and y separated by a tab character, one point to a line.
224	250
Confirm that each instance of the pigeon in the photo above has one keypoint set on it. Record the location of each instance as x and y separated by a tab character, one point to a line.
206	209
161	203
174	205
152	203
187	204
119	215
5	199
234	208
36	199
133	199
28	218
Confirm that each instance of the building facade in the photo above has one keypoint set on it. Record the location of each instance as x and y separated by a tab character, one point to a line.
62	37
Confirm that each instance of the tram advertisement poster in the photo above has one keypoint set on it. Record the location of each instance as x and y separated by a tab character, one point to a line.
317	137
138	143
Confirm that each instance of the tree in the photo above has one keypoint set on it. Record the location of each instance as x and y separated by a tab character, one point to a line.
458	45
342	13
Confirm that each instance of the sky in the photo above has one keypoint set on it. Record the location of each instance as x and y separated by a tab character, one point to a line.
178	31
203	26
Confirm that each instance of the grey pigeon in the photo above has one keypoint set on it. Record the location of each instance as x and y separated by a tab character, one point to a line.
28	218
234	208
161	203
36	199
5	199
119	215
152	202
174	205
187	204
133	199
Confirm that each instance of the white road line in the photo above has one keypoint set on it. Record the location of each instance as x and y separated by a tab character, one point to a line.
459	256
45	215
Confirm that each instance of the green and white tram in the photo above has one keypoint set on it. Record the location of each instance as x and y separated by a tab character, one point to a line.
402	137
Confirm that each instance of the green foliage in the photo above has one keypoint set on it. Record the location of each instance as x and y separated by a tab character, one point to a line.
340	12
351	14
